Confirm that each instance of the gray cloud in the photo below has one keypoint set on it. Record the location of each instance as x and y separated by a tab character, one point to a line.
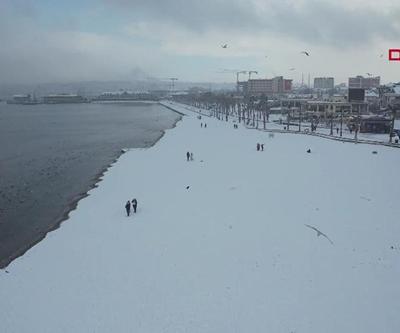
312	22
175	34
329	23
194	15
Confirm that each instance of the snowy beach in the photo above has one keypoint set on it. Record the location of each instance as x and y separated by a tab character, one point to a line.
224	243
51	155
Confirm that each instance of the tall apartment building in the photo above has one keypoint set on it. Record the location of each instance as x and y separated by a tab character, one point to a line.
277	85
364	82
324	83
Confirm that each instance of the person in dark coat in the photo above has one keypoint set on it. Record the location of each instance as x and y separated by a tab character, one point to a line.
128	208
134	205
262	147
187	156
258	147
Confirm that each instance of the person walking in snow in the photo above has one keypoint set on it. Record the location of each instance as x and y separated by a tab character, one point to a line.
134	205
258	147
187	156
128	208
191	156
262	147
201	125
205	125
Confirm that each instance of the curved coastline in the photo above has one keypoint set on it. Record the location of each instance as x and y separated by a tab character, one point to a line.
73	203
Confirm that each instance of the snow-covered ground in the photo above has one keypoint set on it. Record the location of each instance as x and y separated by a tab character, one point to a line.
231	253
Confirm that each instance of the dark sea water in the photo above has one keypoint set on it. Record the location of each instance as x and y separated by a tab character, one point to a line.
51	155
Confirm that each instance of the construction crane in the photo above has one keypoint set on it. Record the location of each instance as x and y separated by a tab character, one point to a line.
172	79
251	72
237	75
233	71
237	80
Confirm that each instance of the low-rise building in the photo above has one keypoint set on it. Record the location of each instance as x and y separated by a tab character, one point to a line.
124	95
390	95
63	99
371	124
20	99
364	82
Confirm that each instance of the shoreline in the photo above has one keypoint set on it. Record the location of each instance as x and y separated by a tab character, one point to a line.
71	206
194	256
73	202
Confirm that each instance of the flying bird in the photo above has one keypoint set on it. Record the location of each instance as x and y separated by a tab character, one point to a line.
224	46
319	233
306	53
292	69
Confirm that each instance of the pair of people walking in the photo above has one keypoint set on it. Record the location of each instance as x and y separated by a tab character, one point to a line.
189	156
128	206
260	147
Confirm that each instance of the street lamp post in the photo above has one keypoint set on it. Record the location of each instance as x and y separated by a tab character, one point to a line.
300	117
392	124
341	120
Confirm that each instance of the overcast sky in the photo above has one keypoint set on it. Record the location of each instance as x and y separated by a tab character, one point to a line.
75	40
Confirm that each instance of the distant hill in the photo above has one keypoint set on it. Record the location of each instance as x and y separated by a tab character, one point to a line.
94	88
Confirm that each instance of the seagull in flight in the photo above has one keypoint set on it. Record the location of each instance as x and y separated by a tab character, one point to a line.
306	53
224	46
319	233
